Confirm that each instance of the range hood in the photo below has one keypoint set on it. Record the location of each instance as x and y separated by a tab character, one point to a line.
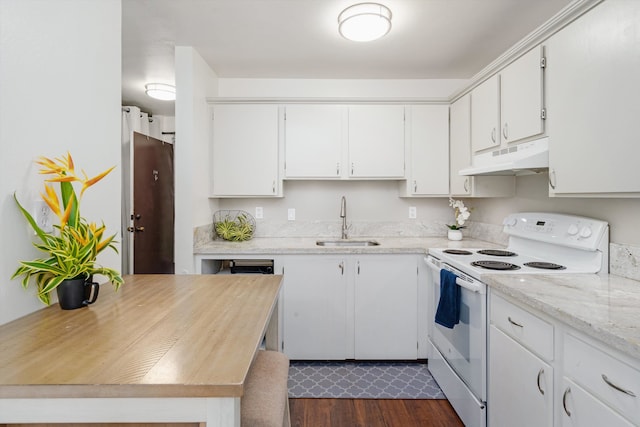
522	159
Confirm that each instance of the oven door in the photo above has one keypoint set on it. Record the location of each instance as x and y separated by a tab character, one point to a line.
465	346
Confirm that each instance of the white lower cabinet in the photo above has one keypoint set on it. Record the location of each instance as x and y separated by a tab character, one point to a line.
598	376
520	384
350	307
581	409
544	373
386	307
315	308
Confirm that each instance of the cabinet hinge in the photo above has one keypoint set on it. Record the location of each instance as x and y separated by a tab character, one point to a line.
543	62
543	114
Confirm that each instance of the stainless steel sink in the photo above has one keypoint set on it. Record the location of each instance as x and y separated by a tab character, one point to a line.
347	243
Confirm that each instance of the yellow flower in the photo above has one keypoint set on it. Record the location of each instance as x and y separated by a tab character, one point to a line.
86	183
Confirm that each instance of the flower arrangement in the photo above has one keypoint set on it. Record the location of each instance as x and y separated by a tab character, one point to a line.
461	214
74	244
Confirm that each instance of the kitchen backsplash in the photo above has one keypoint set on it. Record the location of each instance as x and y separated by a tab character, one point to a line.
326	229
624	260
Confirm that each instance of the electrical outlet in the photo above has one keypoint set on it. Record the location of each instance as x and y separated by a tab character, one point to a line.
291	214
43	215
259	212
412	212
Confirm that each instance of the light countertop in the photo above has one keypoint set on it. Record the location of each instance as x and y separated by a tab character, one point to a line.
605	307
307	245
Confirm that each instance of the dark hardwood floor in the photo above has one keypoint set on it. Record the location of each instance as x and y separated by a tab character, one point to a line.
372	413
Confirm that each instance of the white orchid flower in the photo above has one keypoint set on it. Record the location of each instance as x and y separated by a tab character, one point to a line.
461	213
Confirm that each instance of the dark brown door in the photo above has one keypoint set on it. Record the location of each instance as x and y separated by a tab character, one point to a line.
153	205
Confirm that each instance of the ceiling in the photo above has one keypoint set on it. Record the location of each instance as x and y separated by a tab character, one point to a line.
429	39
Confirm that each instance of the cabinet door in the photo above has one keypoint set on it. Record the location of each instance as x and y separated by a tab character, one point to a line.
460	145
313	141
460	158
485	115
245	150
429	136
376	141
385	314
579	408
520	384
521	97
592	98
315	292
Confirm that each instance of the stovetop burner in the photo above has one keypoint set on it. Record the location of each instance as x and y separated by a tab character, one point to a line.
545	265
457	252
496	252
495	265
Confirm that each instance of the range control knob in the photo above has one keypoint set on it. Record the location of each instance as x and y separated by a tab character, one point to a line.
573	230
510	222
585	232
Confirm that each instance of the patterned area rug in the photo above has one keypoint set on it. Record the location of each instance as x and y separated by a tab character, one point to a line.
362	380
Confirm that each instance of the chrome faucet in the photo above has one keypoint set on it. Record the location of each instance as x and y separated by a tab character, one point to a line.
343	215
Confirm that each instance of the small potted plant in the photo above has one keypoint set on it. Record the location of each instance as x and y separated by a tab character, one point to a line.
72	247
461	214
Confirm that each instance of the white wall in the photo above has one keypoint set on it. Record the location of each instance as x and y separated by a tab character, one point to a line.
623	215
366	201
60	91
338	88
195	81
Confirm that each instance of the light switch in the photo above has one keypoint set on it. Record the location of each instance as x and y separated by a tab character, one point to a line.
412	212
259	212
291	214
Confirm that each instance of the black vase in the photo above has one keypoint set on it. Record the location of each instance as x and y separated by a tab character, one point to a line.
77	292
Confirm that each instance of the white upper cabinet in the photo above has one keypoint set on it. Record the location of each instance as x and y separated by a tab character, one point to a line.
376	141
460	158
245	151
521	97
592	98
508	107
460	145
328	141
314	141
485	115
427	129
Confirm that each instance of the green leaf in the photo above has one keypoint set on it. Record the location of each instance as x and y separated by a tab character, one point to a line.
29	218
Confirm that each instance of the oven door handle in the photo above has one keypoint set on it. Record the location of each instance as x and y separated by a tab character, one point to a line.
473	287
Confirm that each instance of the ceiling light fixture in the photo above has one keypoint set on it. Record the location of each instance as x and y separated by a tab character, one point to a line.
364	22
161	91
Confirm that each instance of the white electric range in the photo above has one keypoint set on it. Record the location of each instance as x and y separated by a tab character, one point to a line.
539	243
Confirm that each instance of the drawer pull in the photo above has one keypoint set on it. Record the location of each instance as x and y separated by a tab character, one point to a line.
540	373
564	401
514	323
617	387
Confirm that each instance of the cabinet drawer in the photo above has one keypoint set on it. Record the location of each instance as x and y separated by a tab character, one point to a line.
606	377
524	327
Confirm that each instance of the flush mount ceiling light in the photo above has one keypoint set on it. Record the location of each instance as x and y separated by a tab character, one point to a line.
364	22
161	91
